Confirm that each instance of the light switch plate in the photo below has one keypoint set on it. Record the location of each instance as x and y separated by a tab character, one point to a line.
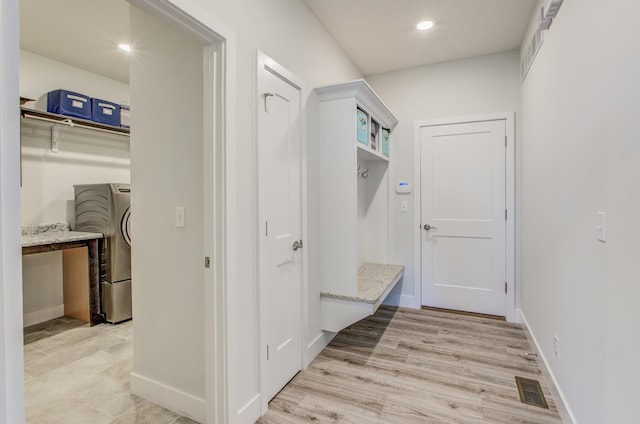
179	216
601	228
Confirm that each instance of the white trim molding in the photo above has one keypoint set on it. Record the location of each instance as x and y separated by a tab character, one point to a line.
36	317
509	119
316	346
169	397
11	342
401	301
558	397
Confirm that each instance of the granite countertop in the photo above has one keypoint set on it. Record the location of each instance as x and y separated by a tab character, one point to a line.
59	232
373	281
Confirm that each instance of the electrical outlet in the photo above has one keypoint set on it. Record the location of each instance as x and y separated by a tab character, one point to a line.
556	346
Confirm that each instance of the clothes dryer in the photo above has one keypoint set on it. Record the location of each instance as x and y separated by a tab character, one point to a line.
105	208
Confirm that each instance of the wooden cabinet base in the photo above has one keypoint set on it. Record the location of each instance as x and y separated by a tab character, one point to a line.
75	277
80	276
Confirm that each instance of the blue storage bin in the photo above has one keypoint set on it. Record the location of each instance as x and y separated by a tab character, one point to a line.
105	112
68	103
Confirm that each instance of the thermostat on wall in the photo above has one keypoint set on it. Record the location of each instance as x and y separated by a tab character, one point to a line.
403	187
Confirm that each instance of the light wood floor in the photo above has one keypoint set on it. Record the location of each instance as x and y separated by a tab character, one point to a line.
416	366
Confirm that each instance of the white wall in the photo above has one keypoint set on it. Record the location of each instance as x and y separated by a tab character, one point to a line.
39	75
289	33
474	86
580	155
166	78
47	178
11	365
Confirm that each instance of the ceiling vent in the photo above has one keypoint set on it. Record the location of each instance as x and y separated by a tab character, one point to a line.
548	13
531	52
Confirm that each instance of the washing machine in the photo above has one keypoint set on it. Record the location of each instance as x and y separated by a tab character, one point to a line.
105	208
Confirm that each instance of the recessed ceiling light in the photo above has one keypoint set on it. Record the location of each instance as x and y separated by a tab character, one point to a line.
424	25
125	47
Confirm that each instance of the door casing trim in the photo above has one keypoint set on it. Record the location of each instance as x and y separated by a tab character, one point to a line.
510	197
219	134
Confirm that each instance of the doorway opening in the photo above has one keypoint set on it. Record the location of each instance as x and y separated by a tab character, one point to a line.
216	152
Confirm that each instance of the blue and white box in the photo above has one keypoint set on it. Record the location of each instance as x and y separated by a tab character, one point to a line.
105	112
64	102
125	116
362	124
385	141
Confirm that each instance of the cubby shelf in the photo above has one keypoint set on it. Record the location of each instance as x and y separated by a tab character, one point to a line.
367	154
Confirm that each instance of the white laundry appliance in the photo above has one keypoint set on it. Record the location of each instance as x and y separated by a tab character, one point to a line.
105	208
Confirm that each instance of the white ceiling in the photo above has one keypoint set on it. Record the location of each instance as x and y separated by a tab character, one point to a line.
378	35
381	35
82	33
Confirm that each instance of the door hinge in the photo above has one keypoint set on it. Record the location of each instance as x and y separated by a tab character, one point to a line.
505	214
505	141
267	352
266	228
505	287
207	262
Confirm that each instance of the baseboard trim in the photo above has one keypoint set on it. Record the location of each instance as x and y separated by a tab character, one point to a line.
169	397
316	346
401	301
249	412
43	315
561	403
517	317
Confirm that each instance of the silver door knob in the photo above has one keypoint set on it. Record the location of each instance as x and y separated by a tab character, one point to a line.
429	227
296	245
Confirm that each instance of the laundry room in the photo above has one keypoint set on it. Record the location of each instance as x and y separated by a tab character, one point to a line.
79	305
66	60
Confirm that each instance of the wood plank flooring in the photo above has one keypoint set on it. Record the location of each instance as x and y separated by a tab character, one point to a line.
416	366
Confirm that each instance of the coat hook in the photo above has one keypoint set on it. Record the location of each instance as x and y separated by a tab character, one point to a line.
264	96
365	173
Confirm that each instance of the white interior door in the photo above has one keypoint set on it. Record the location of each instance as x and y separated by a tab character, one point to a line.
463	218
279	147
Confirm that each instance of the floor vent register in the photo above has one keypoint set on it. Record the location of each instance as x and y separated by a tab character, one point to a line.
531	392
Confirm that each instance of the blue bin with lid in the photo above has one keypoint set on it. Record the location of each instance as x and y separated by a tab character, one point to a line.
69	103
105	112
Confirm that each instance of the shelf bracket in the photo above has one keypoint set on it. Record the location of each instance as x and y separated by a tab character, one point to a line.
55	135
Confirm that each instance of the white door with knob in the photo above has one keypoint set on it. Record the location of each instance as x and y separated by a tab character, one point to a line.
280	227
463	216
